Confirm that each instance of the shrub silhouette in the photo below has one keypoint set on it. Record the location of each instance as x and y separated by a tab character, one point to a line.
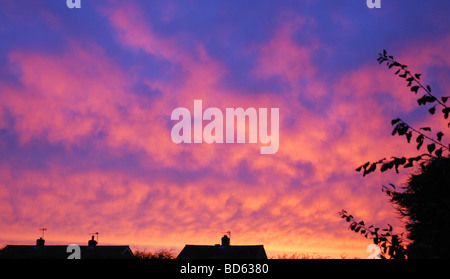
163	254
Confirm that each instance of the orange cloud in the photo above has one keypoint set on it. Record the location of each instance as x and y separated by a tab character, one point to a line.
177	194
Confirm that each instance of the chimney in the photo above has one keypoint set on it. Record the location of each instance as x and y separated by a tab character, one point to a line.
92	242
40	242
225	241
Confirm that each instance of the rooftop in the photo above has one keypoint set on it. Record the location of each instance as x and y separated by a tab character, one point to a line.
223	251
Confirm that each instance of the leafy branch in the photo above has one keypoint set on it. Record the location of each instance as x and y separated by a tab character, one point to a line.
414	79
391	244
403	129
410	201
435	146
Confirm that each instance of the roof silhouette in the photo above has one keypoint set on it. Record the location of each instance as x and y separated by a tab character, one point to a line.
59	252
223	252
42	251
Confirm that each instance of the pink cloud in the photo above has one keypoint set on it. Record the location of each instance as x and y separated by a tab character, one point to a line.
282	57
135	32
288	201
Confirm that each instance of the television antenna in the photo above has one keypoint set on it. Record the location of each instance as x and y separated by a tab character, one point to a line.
43	230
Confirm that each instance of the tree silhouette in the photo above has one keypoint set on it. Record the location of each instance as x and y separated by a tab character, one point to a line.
424	202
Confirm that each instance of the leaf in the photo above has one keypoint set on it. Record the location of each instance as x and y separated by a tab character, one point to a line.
403	129
384	52
398	162
422	100
366	165
439	136
419	140
408	137
429	88
410	163
359	169
395	121
431	147
418	76
444	99
386	167
395	130
415	89
419	145
398	71
446	112
426	129
372	168
432	110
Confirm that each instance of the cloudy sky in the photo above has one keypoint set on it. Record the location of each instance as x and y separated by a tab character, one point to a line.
86	97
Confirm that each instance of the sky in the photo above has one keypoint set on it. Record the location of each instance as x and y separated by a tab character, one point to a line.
86	97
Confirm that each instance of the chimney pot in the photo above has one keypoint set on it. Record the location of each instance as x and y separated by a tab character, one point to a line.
40	242
225	241
92	242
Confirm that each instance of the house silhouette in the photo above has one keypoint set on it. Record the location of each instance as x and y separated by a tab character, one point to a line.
223	251
42	251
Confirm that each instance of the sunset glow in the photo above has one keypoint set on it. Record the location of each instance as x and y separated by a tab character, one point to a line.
86	97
